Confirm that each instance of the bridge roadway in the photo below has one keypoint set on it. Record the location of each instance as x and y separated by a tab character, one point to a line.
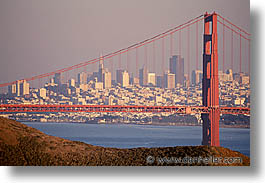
116	108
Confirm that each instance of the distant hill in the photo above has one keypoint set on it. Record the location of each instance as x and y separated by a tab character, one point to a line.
21	145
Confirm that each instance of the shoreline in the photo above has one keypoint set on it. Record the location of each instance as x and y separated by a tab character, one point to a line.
154	124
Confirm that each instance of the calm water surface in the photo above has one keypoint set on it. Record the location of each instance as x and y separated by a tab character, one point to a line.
129	136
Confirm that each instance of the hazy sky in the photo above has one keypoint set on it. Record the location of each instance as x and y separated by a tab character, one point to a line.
39	36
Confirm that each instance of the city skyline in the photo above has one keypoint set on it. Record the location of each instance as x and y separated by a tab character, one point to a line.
102	81
145	78
52	63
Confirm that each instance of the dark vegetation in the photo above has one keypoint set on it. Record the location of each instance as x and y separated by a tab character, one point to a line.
240	119
21	145
179	118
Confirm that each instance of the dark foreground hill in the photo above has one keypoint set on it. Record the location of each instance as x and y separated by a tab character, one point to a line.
23	145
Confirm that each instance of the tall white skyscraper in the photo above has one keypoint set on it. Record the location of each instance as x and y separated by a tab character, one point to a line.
107	79
151	79
169	80
125	79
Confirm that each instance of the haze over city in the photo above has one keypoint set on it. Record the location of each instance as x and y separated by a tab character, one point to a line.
39	37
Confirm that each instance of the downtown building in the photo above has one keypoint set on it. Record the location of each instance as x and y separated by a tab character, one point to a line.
169	80
82	78
106	79
100	70
143	76
176	66
123	78
42	93
71	83
103	77
160	81
20	88
151	79
119	76
196	77
58	78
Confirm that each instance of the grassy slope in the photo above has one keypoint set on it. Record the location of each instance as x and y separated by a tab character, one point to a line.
23	145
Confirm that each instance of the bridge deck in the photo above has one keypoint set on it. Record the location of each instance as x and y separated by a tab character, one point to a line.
115	108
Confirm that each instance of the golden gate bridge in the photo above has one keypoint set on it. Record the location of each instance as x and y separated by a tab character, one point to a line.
210	110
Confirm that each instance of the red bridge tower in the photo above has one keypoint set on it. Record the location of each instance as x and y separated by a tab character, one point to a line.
210	89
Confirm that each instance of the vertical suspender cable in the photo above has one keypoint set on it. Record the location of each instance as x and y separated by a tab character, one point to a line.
119	61
154	57
163	55
197	47
240	59
128	61
171	44
136	59
223	47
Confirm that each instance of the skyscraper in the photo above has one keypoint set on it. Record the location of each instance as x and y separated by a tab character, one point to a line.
23	86
97	85
119	76
71	83
12	90
18	88
125	79
82	78
176	66
58	79
107	79
135	81
169	80
100	69
196	77
143	74
151	79
159	81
